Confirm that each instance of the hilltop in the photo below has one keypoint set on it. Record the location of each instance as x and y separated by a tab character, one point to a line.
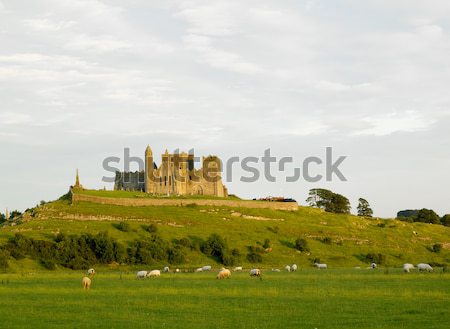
338	240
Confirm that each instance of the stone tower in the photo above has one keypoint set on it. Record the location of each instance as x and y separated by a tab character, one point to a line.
149	171
77	182
7	214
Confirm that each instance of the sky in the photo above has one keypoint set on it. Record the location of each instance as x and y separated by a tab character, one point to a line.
82	80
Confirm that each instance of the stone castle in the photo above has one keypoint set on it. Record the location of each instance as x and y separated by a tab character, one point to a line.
175	176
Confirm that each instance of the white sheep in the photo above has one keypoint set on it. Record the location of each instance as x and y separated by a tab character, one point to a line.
206	268
276	270
91	272
255	272
237	269
224	274
166	269
373	265
86	282
321	266
294	267
154	273
287	268
200	269
424	267
177	270
408	267
141	274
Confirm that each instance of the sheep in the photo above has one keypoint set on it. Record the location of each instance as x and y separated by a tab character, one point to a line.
224	274
424	267
321	266
357	267
141	274
287	268
86	282
91	272
255	272
276	270
206	268
177	270
166	269
237	269
200	269
407	267
373	265
294	267
154	273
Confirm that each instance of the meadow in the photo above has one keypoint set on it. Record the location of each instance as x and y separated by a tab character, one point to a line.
339	298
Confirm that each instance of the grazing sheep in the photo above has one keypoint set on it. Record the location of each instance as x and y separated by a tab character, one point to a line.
287	268
177	270
237	269
154	273
276	270
91	272
224	274
424	267
357	267
408	267
166	269
373	265
321	266
141	274
255	272
206	268
86	282
200	269
294	267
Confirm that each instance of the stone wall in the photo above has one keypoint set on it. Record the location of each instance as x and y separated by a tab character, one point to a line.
291	206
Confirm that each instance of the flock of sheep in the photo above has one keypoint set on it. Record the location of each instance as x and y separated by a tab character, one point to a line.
255	272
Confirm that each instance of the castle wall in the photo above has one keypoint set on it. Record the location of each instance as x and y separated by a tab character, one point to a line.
141	202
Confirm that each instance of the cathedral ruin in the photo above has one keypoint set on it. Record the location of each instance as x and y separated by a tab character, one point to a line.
175	176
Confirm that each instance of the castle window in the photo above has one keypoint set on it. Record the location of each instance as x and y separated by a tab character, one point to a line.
165	180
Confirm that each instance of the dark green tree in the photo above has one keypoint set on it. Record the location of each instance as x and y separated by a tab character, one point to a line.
364	208
445	220
428	216
328	201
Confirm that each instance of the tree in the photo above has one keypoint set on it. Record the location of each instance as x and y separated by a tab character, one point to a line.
428	216
2	218
445	220
364	208
328	201
14	214
301	245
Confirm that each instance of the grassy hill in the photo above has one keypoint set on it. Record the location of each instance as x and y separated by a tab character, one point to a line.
338	240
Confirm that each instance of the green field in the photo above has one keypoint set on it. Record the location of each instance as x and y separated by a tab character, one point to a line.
305	299
338	240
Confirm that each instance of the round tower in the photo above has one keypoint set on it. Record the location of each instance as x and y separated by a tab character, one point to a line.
149	171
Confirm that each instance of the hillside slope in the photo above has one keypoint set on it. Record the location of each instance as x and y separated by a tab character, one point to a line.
338	240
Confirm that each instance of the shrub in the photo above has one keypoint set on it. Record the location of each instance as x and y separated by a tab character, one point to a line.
327	240
437	247
122	226
274	229
301	245
152	228
375	258
228	260
48	264
254	257
235	252
381	224
266	244
185	242
176	255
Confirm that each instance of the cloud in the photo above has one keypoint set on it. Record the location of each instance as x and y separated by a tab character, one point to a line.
13	118
382	125
45	24
103	43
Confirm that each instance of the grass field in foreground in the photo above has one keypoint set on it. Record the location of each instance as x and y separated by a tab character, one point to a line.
306	299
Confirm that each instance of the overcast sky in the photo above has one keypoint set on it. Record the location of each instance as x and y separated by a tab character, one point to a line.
81	80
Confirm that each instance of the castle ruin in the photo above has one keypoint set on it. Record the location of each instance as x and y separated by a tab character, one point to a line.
175	176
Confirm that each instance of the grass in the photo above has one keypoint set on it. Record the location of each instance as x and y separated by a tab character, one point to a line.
306	299
136	194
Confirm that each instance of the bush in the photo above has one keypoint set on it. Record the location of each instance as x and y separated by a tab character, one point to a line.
381	224
176	255
274	229
48	264
375	258
301	245
266	244
437	247
254	257
122	226
228	260
152	228
215	246
327	240
235	252
185	242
